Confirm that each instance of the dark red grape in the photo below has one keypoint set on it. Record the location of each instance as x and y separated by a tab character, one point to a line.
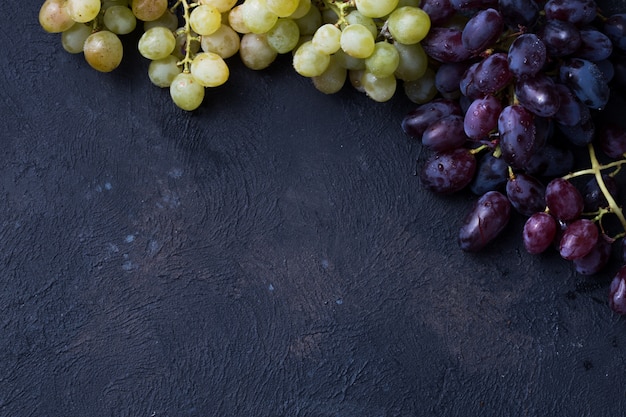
578	239
417	120
448	78
517	135
571	110
473	4
526	194
561	38
448	172
492	74
596	259
482	30
586	81
615	29
538	95
564	200
573	11
518	13
445	45
595	45
539	232
482	117
445	134
439	11
491	174
527	55
612	139
617	292
594	197
487	218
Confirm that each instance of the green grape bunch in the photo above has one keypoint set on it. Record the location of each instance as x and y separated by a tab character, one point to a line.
371	43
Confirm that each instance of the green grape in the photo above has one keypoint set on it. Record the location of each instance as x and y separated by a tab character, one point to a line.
309	23
355	17
357	41
205	20
327	39
308	61
163	71
73	39
221	5
333	78
408	25
284	36
148	10
235	20
167	20
422	90
257	17
378	88
413	61
224	42
282	8
186	92
119	20
355	77
103	51
384	60
157	43
54	16
110	3
209	69
83	11
376	8
303	8
349	62
329	16
255	52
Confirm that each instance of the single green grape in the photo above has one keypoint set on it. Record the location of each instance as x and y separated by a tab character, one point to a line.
186	92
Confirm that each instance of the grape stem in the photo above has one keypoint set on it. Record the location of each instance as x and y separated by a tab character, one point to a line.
339	7
186	61
596	170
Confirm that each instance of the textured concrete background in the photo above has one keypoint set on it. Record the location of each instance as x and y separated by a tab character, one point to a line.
271	254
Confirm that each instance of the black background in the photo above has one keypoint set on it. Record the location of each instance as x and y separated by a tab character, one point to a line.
271	254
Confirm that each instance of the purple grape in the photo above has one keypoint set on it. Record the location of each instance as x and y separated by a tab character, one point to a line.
564	200
594	197
445	45
551	162
473	4
539	232
544	130
527	55
561	38
439	11
615	29
594	46
580	134
526	194
448	78
467	84
491	74
578	239
445	134
518	13
487	218
571	110
617	292
482	117
586	81
417	120
596	259
448	172
538	95
517	131
491	174
612	139
482	30
573	11
607	68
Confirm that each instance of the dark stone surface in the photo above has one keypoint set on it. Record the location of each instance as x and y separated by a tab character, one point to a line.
271	254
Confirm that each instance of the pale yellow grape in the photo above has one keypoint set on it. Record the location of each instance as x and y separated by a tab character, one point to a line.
309	23
355	77
255	51
349	62
148	10
205	19
423	89
282	8
257	17
119	19
308	61
83	11
302	40
356	17
156	43
284	36
235	20
73	39
209	69
186	92
379	88
103	51
54	16
303	8
224	42
222	5
332	79
167	20
327	39
384	60
376	8
413	61
408	25
180	49
357	41
163	71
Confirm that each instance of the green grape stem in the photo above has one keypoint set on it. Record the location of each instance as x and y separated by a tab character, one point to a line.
186	61
596	170
339	7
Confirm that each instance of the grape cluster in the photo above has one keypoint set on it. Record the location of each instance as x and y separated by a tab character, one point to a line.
519	91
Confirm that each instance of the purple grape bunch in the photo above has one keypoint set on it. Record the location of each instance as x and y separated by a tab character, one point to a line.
522	90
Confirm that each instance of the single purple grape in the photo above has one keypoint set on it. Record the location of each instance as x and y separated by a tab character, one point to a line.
417	120
578	239
482	117
487	218
564	200
573	11
519	13
594	197
448	78
612	139
527	55
617	292
445	134
539	232
571	110
445	45
615	28
580	134
491	174
439	11
482	30
561	38
526	194
596	259
473	4
491	74
551	162
586	80
538	95
595	45
448	172
517	131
